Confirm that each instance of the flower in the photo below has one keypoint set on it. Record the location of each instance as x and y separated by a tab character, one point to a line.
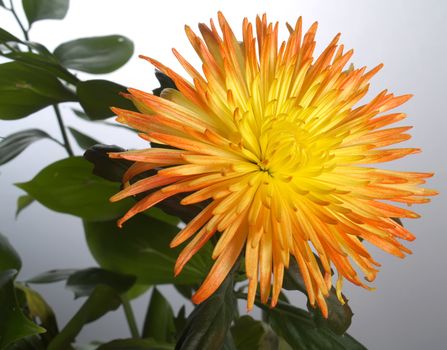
278	146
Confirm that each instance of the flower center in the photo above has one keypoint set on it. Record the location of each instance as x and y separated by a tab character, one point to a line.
284	148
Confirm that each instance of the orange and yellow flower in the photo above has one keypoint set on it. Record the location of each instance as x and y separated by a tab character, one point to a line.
278	145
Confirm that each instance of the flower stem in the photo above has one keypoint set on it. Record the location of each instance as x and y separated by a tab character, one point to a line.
14	13
63	131
130	317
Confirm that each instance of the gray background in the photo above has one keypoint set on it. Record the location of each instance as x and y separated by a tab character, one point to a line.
408	309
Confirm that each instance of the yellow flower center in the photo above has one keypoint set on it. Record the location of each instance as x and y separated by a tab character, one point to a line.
286	149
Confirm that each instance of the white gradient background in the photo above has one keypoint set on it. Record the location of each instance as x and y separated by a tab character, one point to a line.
408	309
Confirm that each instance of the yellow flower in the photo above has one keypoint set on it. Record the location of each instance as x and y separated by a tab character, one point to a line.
280	147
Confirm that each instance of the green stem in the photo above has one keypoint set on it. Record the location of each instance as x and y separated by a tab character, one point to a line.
63	131
130	317
14	13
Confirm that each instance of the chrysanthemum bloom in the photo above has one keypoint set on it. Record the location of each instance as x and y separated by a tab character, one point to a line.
279	147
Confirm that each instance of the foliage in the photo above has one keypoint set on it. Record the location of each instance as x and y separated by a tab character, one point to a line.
132	259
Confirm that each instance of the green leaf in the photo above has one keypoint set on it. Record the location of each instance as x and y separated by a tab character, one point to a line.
229	342
6	37
68	186
98	96
36	10
141	248
9	258
136	344
14	144
25	90
185	290
159	214
339	315
165	83
250	334
102	300
283	307
39	310
180	321
13	323
301	332
23	202
80	114
32	342
52	276
44	61
111	169
159	321
96	55
84	141
83	282
136	291
208	324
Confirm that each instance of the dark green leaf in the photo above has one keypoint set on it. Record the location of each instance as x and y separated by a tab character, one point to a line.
68	186
80	114
36	10
32	342
96	55
102	300
111	169
83	282
40	311
159	321
6	37
13	323
45	62
339	315
165	83
141	248
185	290
14	144
229	342
136	344
180	321
251	334
283	307
136	291
25	90
173	207
305	334
23	202
208	324
52	276
97	96
159	214
283	345
9	258
84	141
